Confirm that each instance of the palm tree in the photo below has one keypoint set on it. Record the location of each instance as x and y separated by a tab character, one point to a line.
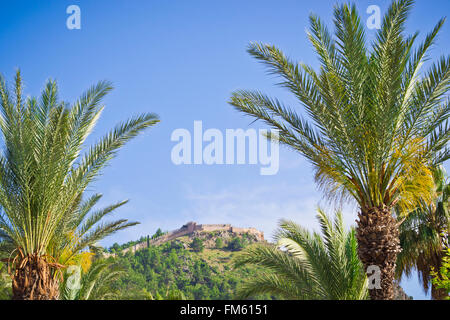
46	222
376	123
424	237
94	284
310	266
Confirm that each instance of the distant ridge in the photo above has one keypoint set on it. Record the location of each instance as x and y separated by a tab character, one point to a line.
191	228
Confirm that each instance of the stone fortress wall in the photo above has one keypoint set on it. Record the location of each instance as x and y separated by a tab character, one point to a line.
192	227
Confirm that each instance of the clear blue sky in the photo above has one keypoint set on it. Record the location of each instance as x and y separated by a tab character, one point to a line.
182	59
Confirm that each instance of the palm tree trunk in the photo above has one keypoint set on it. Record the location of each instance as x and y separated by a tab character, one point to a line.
34	279
438	294
378	246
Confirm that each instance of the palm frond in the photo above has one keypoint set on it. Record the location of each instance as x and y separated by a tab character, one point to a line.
306	265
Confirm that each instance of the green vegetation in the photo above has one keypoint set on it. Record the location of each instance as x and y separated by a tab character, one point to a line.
424	236
197	245
158	233
236	244
377	123
173	268
310	266
46	219
171	294
5	284
116	248
92	284
219	243
441	278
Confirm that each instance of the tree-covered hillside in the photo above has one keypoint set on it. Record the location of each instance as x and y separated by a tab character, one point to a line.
198	266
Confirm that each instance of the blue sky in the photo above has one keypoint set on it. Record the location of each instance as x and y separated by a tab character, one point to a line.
181	60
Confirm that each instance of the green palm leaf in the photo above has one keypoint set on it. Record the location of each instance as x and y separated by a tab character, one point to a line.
305	265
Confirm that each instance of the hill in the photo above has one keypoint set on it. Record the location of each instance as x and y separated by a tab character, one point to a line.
195	260
191	229
197	264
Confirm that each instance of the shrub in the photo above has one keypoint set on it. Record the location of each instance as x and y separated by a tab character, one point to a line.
236	244
219	243
197	245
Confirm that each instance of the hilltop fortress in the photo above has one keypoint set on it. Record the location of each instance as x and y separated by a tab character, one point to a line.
191	228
